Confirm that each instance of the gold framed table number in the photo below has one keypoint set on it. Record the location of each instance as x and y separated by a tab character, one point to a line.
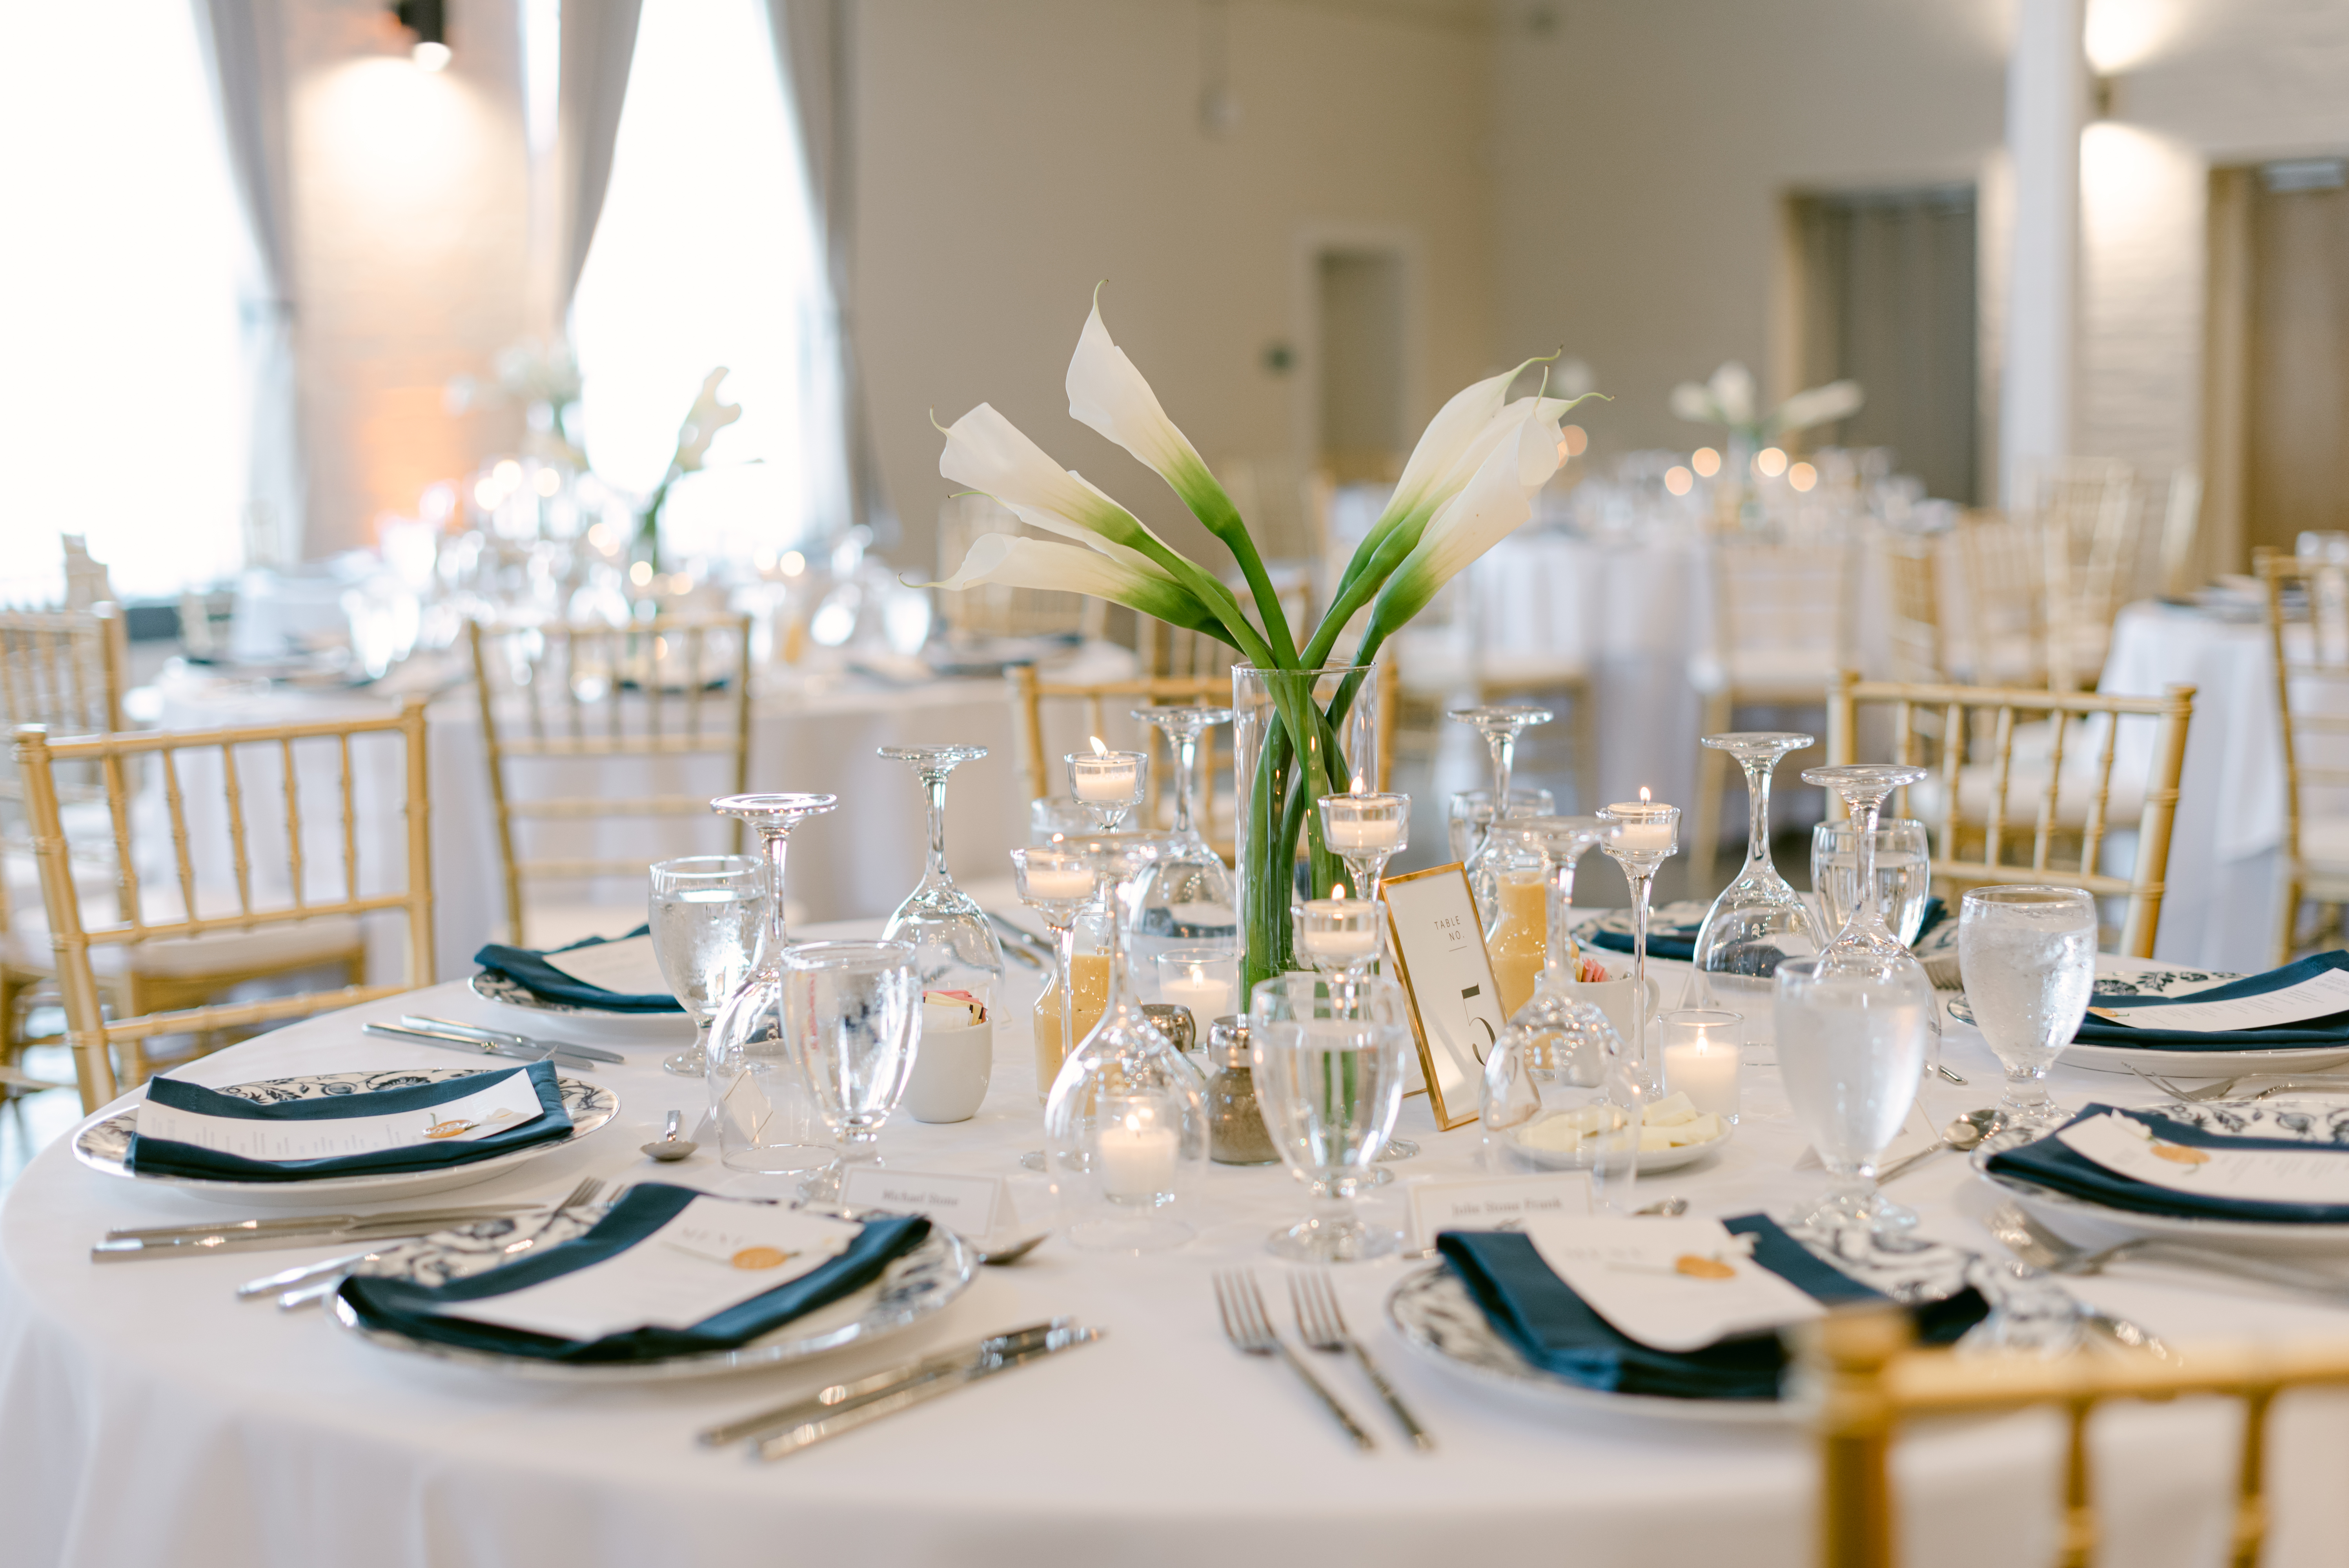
1448	981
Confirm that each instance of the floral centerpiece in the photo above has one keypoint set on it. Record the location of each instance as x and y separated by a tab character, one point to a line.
1728	399
703	422
1470	481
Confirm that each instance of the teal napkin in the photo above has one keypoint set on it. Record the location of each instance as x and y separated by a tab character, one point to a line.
166	1156
531	971
1536	1312
1677	941
2328	1031
406	1308
2049	1163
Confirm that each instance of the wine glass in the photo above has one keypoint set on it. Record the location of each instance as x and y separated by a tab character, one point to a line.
955	946
707	914
1558	843
1851	1051
1865	941
1328	1054
1500	724
1647	834
1056	884
1471	814
1904	873
1188	898
853	1016
1366	829
1758	920
759	1096
2029	959
1107	783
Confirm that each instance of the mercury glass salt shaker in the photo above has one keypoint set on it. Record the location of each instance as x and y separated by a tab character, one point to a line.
1176	1022
1236	1130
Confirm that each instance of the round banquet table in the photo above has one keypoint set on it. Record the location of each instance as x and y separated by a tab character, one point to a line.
148	1418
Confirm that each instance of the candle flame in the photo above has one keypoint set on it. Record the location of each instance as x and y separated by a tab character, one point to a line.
1643	788
1132	1123
1339	891
1358	783
1102	750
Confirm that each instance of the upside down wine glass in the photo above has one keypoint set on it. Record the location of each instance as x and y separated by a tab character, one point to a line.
954	947
1188	899
1759	920
1647	834
1500	724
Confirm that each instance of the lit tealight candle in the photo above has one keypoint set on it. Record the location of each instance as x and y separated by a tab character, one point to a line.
1342	932
1364	820
1200	979
1701	1058
1052	876
1136	1151
1647	828
1106	777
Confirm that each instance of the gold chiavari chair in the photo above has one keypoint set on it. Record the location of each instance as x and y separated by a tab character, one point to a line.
1913	564
999	610
150	936
1968	736
2310	642
1871	1382
2090	522
672	687
2003	570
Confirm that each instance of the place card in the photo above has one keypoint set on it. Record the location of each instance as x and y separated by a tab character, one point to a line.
967	1205
626	966
1437	1205
501	1106
1438	951
2126	1146
1672	1284
715	1253
2320	996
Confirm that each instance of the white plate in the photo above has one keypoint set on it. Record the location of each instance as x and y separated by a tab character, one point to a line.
550	1019
1650	1160
102	1143
912	1288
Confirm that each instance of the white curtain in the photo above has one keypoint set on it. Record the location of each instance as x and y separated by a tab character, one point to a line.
812	38
599	39
242	44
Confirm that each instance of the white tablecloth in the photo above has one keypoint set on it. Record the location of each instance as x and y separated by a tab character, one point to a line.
149	1420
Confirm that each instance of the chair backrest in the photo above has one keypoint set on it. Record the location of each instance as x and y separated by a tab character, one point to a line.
999	610
63	669
2091	524
1106	704
2310	643
674	686
87	582
1775	598
225	758
1966	735
1913	563
2182	529
1870	1382
2002	572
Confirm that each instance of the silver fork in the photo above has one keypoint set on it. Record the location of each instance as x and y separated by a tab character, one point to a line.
2040	1247
336	1270
1247	1327
1322	1326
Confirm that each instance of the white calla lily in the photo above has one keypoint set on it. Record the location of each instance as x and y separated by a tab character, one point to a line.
1015	562
992	455
1692	403
1493	503
1820	406
1732	388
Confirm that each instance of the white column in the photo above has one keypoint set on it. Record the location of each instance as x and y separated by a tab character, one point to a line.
2046	106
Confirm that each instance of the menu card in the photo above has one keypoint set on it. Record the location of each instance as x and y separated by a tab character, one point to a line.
714	1253
509	1102
2321	995
2126	1146
626	966
1671	1284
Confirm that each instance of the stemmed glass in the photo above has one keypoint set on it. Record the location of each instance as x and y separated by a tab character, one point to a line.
1107	783
1471	814
707	914
1328	1061
1500	724
1758	920
1551	1013
1189	898
1904	873
854	1015
1851	1052
1366	829
1863	786
1647	834
955	946
757	1095
2028	956
1056	884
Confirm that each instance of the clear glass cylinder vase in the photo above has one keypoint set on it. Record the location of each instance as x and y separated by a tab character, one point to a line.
1277	777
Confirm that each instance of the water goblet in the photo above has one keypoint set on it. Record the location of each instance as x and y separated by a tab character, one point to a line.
1471	814
766	1116
1366	830
1758	920
1188	898
1647	834
1863	938
955	945
855	1013
2029	959
1057	884
1851	1051
1107	783
708	913
1328	1054
1904	873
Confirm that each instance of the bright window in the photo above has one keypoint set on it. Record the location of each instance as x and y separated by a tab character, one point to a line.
123	408
705	255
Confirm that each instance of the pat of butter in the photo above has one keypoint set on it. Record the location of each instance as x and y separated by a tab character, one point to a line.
1670	1111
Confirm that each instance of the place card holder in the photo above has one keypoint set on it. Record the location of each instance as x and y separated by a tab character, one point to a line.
1438	951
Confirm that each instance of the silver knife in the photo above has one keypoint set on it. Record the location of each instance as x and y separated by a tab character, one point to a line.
478	1047
317	1221
507	1037
124	1249
808	1434
284	1277
840	1396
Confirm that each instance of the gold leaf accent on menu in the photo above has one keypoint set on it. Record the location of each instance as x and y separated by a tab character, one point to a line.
760	1258
2180	1154
1698	1268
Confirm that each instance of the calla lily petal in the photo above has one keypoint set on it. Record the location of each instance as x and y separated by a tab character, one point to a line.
1694	404
1820	406
1015	562
1494	503
992	455
1733	393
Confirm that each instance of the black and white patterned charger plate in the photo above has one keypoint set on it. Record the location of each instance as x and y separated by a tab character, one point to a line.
1677	920
105	1143
1440	1320
2161	980
910	1289
602	1022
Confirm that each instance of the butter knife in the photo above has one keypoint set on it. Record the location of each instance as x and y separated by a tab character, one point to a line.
843	1395
506	1037
808	1434
560	1054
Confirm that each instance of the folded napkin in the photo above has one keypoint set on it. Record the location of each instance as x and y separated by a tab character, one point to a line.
531	969
167	1156
2049	1163
1677	939
403	1307
1540	1314
2328	1031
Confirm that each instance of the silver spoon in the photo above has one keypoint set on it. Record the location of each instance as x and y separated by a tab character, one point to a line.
1964	1133
1663	1209
1011	1252
671	1146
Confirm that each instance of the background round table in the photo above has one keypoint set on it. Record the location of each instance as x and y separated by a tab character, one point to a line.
148	1418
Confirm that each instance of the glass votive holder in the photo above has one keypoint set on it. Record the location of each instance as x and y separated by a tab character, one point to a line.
1107	783
1365	824
1702	1050
1056	818
1205	980
1338	934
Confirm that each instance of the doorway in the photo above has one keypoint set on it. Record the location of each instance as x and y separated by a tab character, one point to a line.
1361	296
2296	385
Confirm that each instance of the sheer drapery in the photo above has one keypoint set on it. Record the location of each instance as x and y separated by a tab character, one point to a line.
243	46
599	41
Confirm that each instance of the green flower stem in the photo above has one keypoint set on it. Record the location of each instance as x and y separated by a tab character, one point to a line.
1281	810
